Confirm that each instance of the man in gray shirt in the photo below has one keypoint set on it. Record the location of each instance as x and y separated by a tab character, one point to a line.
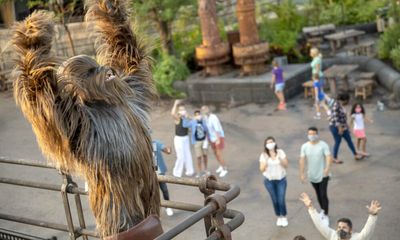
316	154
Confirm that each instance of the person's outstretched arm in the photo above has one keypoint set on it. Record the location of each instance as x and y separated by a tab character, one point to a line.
326	231
368	230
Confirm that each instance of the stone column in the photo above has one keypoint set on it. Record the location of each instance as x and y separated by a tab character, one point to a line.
213	53
250	53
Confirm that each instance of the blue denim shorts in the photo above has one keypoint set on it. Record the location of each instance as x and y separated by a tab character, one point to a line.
279	87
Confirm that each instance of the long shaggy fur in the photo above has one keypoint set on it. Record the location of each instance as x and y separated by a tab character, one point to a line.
89	123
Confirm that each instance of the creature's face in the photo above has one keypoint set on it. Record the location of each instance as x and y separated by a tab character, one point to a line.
83	78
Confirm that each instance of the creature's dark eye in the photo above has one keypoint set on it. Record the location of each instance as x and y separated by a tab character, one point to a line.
91	71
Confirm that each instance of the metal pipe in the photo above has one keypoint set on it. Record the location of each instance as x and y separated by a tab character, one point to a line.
86	232
46	186
26	163
187	222
34	222
56	226
181	205
194	182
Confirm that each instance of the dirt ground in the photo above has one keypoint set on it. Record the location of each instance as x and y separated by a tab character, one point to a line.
351	188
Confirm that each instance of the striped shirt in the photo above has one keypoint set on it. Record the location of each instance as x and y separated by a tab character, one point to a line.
338	116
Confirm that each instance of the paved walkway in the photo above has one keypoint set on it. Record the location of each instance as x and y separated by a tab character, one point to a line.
352	186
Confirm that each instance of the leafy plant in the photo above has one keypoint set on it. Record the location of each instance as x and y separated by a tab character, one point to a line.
161	13
342	12
389	40
168	70
282	31
395	56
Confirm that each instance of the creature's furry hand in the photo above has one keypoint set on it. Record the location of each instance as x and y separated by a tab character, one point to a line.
114	9
36	32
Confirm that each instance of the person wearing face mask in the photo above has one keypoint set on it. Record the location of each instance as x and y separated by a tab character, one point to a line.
344	229
181	141
273	165
358	119
316	154
339	128
216	137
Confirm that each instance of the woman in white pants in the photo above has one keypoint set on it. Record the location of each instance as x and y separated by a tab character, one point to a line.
181	142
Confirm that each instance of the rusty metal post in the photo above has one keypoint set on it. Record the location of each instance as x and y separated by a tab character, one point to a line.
250	53
78	204
207	192
213	53
64	193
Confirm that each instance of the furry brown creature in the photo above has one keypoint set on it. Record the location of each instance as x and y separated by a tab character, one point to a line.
91	117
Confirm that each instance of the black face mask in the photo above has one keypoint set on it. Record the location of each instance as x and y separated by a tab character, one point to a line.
343	234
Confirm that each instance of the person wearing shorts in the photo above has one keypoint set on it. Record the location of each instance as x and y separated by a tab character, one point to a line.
278	83
199	141
319	97
216	137
358	120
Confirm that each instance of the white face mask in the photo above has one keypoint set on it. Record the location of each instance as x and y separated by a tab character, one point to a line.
182	112
313	138
270	146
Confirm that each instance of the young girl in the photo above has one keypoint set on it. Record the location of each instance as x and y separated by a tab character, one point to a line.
358	119
273	164
319	97
278	83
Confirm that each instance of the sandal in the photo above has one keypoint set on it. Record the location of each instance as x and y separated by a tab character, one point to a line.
358	157
337	161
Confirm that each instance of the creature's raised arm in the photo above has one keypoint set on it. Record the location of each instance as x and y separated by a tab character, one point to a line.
118	46
35	88
35	85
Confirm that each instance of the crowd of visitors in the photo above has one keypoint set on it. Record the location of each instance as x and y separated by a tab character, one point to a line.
204	129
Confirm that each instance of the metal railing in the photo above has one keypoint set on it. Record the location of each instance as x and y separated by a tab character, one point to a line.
213	212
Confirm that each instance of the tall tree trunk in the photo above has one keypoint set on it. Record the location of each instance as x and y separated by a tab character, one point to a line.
165	37
70	40
165	32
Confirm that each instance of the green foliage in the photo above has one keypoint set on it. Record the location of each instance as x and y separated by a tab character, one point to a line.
277	36
389	40
168	70
165	10
342	12
395	56
288	15
282	32
185	42
186	33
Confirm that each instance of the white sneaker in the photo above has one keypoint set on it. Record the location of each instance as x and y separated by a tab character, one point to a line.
169	211
223	173
284	222
219	169
317	116
278	222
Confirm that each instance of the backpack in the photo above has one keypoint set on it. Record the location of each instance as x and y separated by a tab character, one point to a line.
200	133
